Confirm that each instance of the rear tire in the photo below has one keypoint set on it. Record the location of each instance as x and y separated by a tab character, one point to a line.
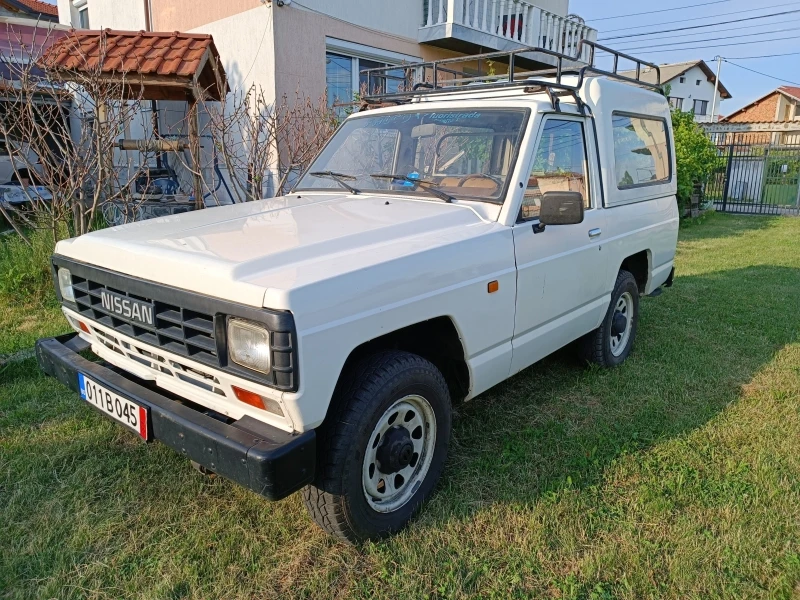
611	343
382	448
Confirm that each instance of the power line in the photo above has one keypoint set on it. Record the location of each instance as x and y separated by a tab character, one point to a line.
702	33
780	39
652	12
765	56
760	73
787	12
708	39
738	12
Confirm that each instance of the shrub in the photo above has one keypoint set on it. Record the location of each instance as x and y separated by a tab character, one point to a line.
695	154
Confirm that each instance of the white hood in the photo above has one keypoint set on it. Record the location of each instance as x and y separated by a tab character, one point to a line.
244	251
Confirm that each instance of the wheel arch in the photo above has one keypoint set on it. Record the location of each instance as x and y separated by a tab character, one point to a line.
436	340
638	265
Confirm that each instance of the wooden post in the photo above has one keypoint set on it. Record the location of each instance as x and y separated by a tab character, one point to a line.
105	164
194	149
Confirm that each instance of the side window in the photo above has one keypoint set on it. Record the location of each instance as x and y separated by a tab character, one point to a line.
641	151
559	165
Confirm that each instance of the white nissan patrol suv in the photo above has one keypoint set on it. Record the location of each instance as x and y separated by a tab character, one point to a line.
439	244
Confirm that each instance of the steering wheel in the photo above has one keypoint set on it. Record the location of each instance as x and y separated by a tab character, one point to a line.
496	180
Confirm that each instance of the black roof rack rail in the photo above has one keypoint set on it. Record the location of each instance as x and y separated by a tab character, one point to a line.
439	76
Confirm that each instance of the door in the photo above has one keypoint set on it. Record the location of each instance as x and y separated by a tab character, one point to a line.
561	270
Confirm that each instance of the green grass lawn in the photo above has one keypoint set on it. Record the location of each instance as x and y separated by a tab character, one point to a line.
676	475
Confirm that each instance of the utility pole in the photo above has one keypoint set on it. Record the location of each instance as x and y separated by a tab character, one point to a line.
716	90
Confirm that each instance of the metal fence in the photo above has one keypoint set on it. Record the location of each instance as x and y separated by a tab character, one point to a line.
756	178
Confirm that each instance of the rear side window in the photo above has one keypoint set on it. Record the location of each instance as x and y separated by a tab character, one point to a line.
641	151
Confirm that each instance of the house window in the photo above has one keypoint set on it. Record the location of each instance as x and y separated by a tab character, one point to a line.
345	81
701	108
339	79
683	79
676	103
698	82
82	8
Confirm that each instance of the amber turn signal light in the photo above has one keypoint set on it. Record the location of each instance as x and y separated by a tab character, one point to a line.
493	286
250	398
83	326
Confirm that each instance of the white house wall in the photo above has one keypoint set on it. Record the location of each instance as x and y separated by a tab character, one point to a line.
245	45
116	14
690	92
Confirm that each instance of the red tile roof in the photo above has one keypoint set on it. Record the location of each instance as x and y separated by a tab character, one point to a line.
181	57
794	92
145	53
40	7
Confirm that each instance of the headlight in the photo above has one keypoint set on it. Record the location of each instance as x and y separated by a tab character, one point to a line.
248	345
65	285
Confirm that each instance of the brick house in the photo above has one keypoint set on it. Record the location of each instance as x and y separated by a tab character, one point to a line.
773	118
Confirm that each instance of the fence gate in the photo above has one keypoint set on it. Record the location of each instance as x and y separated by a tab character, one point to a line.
753	178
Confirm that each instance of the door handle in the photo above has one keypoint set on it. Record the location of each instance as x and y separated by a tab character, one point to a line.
593	233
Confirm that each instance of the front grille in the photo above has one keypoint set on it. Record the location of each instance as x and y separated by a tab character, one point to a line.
186	323
177	329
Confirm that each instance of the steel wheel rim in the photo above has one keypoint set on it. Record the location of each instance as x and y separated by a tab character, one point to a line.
386	492
624	307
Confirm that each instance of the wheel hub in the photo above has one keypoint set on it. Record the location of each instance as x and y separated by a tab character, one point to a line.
619	323
396	450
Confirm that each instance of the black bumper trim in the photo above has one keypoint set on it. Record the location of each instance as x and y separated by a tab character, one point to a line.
267	460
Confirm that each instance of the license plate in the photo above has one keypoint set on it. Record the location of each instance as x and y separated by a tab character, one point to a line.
115	406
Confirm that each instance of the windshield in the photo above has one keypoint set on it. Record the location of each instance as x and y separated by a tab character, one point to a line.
463	153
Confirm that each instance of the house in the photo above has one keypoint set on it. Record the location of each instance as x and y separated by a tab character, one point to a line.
34	10
318	48
779	106
771	119
27	28
691	87
317	45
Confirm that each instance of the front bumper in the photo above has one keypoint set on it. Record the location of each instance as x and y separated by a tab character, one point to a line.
262	458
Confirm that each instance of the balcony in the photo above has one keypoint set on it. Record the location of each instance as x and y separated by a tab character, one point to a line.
470	26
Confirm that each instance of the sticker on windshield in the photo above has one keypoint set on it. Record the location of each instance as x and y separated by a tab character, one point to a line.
445	118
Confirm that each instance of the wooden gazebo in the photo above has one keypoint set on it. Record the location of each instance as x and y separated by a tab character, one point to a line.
147	66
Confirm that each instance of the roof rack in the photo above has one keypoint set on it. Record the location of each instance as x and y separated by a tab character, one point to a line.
444	76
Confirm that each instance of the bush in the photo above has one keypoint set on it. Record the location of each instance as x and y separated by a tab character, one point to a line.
25	270
695	154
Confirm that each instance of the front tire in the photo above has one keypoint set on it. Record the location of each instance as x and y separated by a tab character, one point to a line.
611	343
382	448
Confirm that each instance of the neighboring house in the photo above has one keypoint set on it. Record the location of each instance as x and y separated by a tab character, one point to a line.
27	28
691	87
29	9
779	106
319	47
771	119
314	45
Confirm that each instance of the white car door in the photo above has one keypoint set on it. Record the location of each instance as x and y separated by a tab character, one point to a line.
561	270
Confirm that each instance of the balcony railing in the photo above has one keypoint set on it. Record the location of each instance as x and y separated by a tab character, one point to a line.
509	22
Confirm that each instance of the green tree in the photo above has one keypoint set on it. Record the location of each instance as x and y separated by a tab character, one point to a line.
695	154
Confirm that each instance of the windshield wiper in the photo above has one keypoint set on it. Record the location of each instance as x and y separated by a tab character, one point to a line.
429	186
338	178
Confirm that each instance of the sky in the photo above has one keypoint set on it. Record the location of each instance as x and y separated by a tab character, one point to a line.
750	36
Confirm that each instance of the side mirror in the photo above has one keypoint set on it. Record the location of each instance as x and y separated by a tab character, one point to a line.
561	208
